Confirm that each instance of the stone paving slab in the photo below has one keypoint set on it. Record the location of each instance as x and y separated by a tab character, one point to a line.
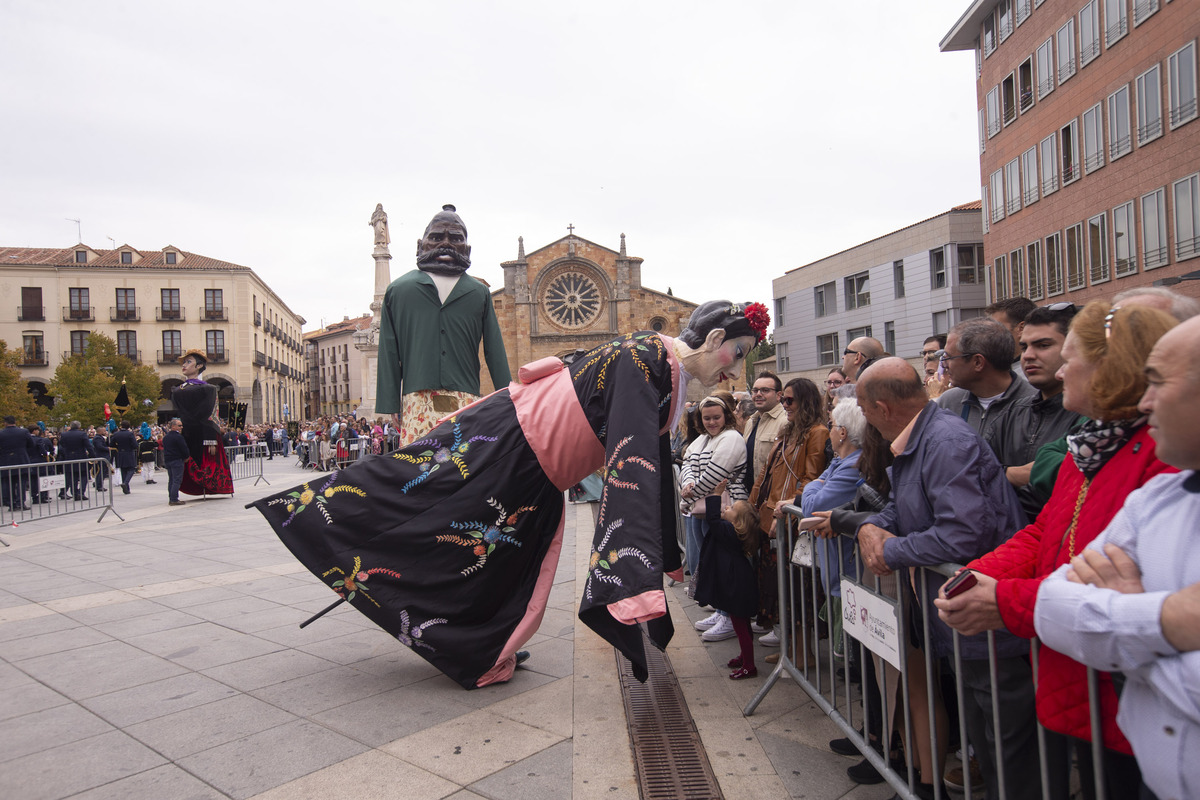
161	657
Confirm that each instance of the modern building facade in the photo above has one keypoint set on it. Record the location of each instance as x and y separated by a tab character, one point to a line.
336	367
898	288
155	304
1089	144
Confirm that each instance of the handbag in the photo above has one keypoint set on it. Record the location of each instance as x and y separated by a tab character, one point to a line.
698	508
802	553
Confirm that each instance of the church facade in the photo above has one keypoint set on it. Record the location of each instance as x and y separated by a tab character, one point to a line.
574	294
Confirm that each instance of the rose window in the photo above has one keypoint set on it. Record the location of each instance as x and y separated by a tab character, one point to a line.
572	300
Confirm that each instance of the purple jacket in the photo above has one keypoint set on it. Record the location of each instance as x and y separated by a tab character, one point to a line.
950	503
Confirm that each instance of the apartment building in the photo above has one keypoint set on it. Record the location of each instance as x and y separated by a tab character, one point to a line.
335	367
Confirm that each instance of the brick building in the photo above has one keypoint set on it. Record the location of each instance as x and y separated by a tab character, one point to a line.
334	367
1089	145
574	294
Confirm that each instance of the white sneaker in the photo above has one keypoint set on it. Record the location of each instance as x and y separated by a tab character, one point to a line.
722	630
709	621
755	628
770	640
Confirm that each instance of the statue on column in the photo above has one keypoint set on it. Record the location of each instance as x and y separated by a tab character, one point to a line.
434	318
379	223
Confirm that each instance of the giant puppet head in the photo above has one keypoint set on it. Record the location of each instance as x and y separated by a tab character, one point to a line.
444	249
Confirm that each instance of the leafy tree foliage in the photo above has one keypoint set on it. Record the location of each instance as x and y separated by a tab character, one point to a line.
83	384
15	398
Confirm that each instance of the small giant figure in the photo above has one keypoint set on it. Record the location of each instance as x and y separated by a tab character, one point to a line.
434	318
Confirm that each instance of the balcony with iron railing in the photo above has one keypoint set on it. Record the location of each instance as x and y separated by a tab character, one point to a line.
257	319
169	314
133	355
34	358
169	356
124	314
217	356
213	314
260	358
31	313
79	314
69	354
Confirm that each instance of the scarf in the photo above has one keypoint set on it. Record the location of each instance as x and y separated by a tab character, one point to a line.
1098	440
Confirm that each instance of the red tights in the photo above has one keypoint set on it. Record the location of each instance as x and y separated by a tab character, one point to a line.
741	626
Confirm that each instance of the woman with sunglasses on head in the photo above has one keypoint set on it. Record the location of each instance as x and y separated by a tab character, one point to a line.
1108	457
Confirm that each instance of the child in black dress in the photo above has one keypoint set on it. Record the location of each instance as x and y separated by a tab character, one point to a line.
727	578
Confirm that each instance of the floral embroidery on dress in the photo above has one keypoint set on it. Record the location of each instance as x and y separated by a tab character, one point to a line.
411	637
297	501
635	344
482	537
601	563
350	585
613	470
437	454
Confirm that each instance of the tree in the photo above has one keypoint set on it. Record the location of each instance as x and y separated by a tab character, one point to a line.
764	349
15	398
83	384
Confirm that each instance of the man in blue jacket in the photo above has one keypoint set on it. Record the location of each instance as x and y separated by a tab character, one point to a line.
125	443
175	454
16	447
951	502
75	445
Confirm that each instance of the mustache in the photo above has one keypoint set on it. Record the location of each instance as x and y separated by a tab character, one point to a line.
431	258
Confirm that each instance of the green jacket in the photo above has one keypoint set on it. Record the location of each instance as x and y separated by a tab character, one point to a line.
424	344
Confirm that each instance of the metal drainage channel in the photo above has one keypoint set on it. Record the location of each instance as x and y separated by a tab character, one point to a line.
668	755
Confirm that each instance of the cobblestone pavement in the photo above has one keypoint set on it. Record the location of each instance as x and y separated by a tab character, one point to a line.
160	657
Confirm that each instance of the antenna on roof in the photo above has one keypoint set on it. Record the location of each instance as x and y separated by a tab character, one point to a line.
114	241
78	229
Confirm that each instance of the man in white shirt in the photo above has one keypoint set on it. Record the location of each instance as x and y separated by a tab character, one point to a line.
1130	602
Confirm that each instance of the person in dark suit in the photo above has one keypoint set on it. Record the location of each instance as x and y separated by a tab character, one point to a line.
124	442
176	454
101	446
74	445
16	447
45	453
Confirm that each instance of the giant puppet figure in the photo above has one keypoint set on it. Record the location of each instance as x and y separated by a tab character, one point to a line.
433	320
451	543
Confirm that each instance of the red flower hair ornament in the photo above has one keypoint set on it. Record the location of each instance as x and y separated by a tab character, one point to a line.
758	318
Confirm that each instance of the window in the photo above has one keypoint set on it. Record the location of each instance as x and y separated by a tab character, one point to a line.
1065	42
941	322
31	304
1154	229
859	333
81	256
997	192
782	362
1029	175
127	344
825	299
1093	139
1033	262
1119	141
889	337
1025	85
982	132
214	343
993	111
1008	97
1049	148
1012	183
1124	240
81	307
1143	9
214	306
1006	18
1069	147
1016	272
1116	16
78	342
1023	10
1181	78
1097	233
169	258
126	257
983	194
937	268
970	259
126	304
898	278
858	291
989	35
1053	254
1000	278
779	304
1187	217
1089	32
172	345
1045	68
828	352
1075	273
1149	106
34	348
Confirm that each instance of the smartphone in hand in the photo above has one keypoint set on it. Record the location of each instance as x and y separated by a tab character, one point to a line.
960	583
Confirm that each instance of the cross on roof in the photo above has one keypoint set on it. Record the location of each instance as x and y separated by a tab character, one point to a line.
571	229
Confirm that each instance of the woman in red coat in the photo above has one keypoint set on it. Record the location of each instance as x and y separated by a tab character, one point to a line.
1110	456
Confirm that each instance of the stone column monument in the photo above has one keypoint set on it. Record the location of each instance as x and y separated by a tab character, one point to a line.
367	341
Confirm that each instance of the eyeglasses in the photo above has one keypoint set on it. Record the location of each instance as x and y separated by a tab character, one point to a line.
834	384
946	357
849	352
928	353
1108	319
787	401
761	390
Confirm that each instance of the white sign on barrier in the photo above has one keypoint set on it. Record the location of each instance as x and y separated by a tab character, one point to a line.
48	482
871	619
239	458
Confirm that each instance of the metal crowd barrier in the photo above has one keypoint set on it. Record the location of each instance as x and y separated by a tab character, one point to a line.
844	699
30	492
246	461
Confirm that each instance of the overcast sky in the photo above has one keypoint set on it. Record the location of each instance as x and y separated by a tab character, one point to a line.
730	142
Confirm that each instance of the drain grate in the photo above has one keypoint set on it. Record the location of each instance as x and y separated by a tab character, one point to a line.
668	755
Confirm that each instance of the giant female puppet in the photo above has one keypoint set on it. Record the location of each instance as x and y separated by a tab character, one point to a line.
451	544
207	471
